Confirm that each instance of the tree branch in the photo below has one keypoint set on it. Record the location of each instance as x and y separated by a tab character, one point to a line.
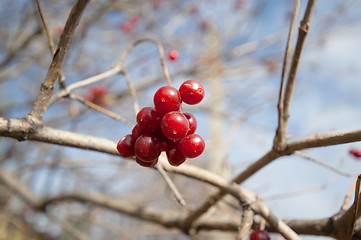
40	104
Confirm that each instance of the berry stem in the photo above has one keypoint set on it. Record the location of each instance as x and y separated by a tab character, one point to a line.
171	184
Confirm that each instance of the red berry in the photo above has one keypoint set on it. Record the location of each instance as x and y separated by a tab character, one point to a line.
167	99
355	153
192	146
126	27
147	148
98	95
173	55
134	20
136	132
192	92
146	164
148	120
175	157
259	235
125	146
59	29
164	141
175	125
192	123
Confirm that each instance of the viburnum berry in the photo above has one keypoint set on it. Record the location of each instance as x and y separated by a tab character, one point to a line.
259	235
192	92
175	125
167	99
173	55
147	148
148	120
192	123
164	141
146	164
125	146
98	95
192	146
136	132
175	157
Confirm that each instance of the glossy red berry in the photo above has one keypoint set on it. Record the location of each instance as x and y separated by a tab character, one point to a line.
136	132
192	92
173	55
164	141
175	157
259	235
167	99
148	120
192	146
125	146
147	148
192	123
175	125
146	164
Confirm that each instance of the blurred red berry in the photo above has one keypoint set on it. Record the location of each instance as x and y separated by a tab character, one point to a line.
194	10
98	95
134	20
59	29
126	27
173	55
355	153
270	65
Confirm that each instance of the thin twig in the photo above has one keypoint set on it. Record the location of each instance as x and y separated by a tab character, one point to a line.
101	109
356	203
302	33
280	140
132	90
171	184
113	71
311	159
160	51
48	35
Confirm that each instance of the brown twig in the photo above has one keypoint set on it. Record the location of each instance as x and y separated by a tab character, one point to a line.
356	204
302	33
41	102
170	184
132	90
280	140
101	109
345	203
160	51
48	35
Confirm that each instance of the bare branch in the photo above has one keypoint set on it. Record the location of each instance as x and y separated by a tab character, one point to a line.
302	33
41	102
280	140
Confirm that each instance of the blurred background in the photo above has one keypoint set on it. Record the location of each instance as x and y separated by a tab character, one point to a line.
235	49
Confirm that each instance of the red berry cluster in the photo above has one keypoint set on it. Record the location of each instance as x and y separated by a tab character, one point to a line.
165	128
